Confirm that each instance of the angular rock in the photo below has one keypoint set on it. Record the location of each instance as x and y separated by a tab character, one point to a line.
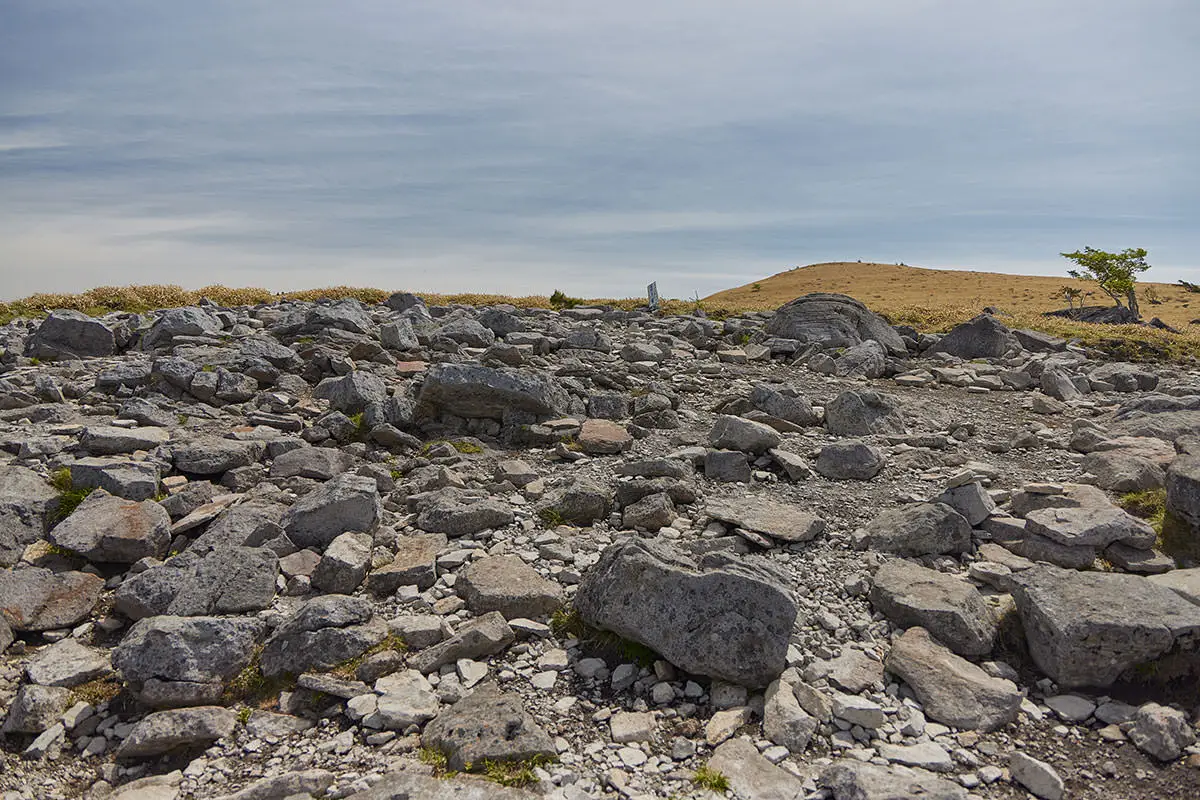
415	564
951	689
68	663
111	529
35	708
487	725
105	440
781	521
791	408
67	334
344	503
195	650
36	599
1161	732
850	460
457	514
603	437
165	731
26	504
466	390
848	779
948	607
508	585
480	637
916	530
1041	779
132	480
982	337
344	564
751	775
734	433
1090	526
861	413
719	616
353	392
411	785
212	456
318	463
652	513
784	721
970	500
833	320
231	580
1078	636
321	634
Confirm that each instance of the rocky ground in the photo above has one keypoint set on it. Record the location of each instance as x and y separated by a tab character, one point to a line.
322	550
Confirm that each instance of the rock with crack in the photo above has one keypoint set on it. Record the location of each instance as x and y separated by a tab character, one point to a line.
1079	636
230	580
321	634
456	513
26	504
508	585
751	775
850	460
831	321
719	616
863	412
483	636
473	391
951	689
68	663
916	530
848	779
344	503
111	529
487	725
179	661
36	599
948	607
783	522
177	729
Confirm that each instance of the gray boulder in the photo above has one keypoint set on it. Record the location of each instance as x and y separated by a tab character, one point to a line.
317	463
948	607
229	580
26	504
467	390
68	663
850	460
122	477
410	785
344	503
321	634
982	337
861	413
201	653
111	529
459	514
68	334
833	320
35	708
916	530
792	408
719	616
353	392
1183	488
866	360
212	456
482	636
467	331
1123	471
176	729
951	689
36	599
344	564
108	440
414	564
1079	636
398	335
1090	526
781	521
734	433
187	321
487	725
1161	732
508	585
848	779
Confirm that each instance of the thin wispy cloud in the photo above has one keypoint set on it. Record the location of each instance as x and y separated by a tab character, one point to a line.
525	146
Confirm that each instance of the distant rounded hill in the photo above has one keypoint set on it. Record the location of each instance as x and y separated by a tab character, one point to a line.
896	289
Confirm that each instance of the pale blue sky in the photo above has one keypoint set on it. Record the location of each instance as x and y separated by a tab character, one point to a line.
523	146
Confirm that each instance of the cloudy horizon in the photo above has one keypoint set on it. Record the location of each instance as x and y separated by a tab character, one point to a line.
525	146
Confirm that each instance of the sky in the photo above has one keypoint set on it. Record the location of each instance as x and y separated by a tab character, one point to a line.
525	146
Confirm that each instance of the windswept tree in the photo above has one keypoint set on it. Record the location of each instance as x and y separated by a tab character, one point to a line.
1114	273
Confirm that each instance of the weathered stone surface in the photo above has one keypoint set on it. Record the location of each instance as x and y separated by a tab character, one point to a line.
1183	488
792	408
970	500
344	503
1090	526
1079	637
230	580
850	460
466	390
35	708
194	650
68	663
982	337
105	440
603	437
36	599
848	779
112	529
861	413
865	360
458	514
734	433
487	725
1121	471
752	775
508	585
833	320
26	503
306	782
186	321
784	721
1161	732
318	463
321	634
415	564
344	564
652	513
781	521
69	334
132	480
951	689
412	785
1041	779
165	731
581	502
1184	582
353	392
948	607
212	456
916	530
718	616
480	637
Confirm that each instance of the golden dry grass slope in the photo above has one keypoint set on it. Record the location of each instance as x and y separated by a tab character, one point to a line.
938	299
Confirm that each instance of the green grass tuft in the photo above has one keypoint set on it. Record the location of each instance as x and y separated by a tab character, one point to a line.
708	778
69	497
516	774
567	623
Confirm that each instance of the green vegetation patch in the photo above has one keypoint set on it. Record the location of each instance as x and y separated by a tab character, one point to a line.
69	497
708	778
568	623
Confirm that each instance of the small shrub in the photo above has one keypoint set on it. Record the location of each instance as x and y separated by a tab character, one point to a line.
97	692
515	774
558	300
551	517
437	760
251	688
348	668
1150	505
756	287
69	497
244	714
708	778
